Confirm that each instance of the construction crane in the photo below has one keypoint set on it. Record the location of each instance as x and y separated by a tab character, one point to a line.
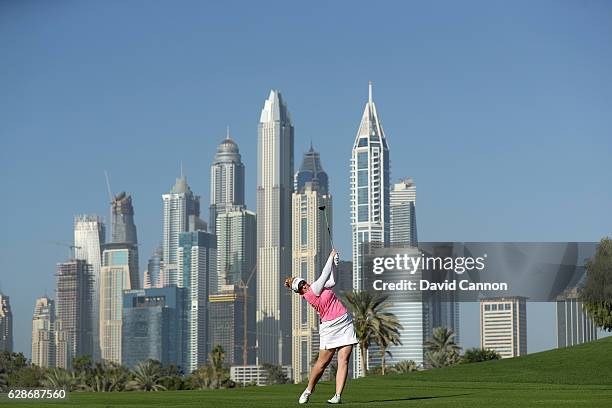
244	286
71	247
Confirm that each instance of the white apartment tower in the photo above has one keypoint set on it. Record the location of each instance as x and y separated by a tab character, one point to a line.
89	236
403	213
274	188
370	214
181	214
226	180
43	333
503	325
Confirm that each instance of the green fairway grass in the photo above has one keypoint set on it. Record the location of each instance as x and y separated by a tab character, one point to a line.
579	376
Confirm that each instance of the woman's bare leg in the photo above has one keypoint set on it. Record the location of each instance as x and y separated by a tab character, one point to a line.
344	353
325	357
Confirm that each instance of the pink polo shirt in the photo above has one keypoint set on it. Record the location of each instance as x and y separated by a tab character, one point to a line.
327	305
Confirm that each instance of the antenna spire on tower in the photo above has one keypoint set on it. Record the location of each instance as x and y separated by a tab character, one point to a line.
370	91
228	137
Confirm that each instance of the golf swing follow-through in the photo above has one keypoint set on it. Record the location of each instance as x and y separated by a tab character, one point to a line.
336	330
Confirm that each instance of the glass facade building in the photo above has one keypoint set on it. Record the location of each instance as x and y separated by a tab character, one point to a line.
154	326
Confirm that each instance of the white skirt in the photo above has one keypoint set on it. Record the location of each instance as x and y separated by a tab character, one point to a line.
337	333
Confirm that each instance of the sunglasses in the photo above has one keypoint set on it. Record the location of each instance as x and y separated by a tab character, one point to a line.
301	285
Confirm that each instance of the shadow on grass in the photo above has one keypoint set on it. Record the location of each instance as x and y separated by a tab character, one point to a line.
408	399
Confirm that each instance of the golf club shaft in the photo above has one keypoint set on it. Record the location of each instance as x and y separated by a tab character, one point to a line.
328	229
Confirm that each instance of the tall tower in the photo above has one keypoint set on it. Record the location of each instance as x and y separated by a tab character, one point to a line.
89	236
226	180
181	214
274	188
119	272
403	213
370	214
43	334
6	324
311	246
409	309
123	227
197	258
74	294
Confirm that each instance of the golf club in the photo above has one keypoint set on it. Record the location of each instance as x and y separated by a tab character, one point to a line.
324	209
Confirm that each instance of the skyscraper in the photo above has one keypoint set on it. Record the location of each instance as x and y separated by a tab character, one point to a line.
236	248
370	214
226	180
89	236
503	325
43	334
403	213
154	326
197	258
574	325
6	324
409	309
152	275
123	227
411	312
119	273
226	323
274	188
236	263
63	345
311	247
73	295
181	214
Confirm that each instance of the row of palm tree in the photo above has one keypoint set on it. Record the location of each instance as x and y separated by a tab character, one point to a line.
374	324
106	376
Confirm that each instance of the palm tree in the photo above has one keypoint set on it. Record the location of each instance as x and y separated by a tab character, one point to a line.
386	333
217	357
201	378
60	378
106	377
441	348
369	318
146	376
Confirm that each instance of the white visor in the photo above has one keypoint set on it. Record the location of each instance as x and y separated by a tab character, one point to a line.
295	284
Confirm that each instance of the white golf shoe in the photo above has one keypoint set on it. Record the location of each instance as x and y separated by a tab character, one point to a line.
335	399
304	397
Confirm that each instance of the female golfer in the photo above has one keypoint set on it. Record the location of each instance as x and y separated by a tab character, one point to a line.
336	331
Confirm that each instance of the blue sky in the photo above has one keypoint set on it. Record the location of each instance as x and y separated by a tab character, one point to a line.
499	110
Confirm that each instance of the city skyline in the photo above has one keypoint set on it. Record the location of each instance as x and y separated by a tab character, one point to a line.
474	117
